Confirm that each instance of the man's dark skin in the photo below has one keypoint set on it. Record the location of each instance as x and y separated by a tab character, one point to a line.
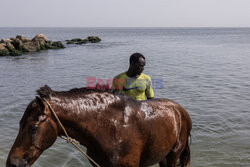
136	68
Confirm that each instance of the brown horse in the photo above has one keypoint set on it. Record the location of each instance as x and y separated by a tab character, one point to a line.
116	130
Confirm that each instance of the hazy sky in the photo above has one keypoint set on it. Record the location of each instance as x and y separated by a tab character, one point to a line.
125	13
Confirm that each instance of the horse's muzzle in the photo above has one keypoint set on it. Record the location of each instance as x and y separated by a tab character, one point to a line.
17	163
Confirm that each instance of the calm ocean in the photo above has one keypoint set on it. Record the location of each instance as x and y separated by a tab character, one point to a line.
206	70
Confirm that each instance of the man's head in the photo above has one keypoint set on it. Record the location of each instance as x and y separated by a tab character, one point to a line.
137	62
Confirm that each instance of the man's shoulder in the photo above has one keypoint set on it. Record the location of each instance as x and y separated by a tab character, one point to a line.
145	76
121	75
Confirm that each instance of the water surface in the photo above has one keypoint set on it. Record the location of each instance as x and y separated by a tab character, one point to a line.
205	70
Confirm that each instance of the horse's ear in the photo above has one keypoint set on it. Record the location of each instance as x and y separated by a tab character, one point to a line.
40	102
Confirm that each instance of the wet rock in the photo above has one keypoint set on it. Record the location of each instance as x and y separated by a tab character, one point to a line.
79	41
12	50
5	40
43	45
30	46
16	43
4	53
3	50
57	45
20	44
82	42
69	42
76	39
22	38
94	39
40	37
3	46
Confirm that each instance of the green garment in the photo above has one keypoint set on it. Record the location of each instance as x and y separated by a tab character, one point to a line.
139	88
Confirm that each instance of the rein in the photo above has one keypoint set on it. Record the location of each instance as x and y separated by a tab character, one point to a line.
67	137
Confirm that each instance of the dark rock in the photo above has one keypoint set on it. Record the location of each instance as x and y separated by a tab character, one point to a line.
48	45
22	38
15	52
79	41
3	50
76	39
42	45
69	42
94	39
12	50
82	42
4	53
57	45
16	43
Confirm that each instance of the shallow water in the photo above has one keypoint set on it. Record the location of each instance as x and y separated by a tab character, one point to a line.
205	70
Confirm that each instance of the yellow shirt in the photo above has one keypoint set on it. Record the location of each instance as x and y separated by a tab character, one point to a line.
137	88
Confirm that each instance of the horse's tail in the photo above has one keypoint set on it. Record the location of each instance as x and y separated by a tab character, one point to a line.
185	157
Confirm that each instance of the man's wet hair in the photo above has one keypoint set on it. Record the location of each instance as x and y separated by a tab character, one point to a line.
134	58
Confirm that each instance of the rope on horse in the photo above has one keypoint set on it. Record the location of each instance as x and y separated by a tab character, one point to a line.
68	138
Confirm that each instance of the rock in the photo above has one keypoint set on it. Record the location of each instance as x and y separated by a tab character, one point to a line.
10	46
16	43
42	45
15	53
79	41
3	50
76	39
12	50
57	45
40	37
30	46
21	44
22	38
3	46
4	53
5	40
48	45
82	41
94	39
69	42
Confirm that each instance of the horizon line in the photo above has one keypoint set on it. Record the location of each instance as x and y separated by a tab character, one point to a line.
124	27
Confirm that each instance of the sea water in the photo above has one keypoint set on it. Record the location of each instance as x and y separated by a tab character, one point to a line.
206	70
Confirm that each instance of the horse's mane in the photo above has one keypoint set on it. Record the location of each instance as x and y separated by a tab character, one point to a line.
47	92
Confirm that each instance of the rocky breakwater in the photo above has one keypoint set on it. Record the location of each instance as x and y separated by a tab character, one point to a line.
20	44
79	41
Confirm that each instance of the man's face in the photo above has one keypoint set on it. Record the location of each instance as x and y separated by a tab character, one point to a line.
138	67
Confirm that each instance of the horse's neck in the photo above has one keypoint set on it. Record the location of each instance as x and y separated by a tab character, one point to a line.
78	114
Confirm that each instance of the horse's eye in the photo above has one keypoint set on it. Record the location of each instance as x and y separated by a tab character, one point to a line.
33	129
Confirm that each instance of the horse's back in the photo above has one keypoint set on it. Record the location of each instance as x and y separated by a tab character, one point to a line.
169	107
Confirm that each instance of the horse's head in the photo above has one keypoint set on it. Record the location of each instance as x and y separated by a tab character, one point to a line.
37	132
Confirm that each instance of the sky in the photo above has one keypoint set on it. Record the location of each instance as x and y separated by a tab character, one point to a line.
125	13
